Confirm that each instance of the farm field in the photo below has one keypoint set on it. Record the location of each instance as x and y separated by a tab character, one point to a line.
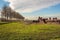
21	31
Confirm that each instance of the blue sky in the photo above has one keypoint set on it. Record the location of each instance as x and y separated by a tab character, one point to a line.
2	3
50	10
34	8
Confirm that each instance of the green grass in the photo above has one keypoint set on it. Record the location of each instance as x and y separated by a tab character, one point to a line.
21	31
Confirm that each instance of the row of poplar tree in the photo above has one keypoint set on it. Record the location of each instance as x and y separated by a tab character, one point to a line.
8	13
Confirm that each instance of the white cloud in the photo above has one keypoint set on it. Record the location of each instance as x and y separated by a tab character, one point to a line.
44	16
26	6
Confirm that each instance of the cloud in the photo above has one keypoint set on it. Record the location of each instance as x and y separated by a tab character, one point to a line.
44	16
27	6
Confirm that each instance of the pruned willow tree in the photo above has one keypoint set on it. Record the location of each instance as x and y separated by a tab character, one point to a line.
7	13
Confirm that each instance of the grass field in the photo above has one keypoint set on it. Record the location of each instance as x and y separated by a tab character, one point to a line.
21	31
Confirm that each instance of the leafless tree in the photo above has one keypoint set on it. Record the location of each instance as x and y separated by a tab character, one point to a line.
8	13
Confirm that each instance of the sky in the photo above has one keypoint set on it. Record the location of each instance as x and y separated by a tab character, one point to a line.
31	9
